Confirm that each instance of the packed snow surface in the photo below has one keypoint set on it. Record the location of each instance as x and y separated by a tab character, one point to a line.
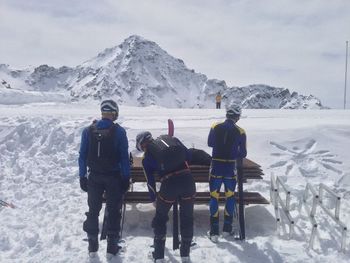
39	145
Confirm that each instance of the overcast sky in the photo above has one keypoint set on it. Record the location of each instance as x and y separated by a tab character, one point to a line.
296	44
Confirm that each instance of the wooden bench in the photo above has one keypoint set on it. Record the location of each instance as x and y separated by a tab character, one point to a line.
251	170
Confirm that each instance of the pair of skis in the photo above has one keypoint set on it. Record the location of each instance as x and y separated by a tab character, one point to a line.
176	240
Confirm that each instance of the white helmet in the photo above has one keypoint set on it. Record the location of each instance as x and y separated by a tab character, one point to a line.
233	111
141	138
109	106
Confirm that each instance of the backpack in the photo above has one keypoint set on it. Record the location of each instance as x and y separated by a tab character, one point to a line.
224	140
169	153
102	155
199	157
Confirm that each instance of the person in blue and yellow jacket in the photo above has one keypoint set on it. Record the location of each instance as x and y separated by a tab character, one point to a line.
229	144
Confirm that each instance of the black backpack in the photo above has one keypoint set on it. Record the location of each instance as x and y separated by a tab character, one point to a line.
169	153
102	155
199	157
224	139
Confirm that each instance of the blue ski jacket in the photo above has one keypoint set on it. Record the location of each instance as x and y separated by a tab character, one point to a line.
120	144
150	166
227	167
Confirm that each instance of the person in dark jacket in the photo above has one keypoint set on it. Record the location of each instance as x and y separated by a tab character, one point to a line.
104	151
229	144
177	183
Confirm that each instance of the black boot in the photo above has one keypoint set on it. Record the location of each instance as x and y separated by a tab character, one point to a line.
93	243
159	246
227	224
185	247
112	245
214	226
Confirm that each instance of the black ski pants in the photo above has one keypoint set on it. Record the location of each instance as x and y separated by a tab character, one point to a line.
182	188
98	184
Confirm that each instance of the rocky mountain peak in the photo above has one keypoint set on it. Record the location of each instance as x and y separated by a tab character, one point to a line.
138	72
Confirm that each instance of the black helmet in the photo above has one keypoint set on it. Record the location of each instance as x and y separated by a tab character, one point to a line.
233	111
141	138
109	106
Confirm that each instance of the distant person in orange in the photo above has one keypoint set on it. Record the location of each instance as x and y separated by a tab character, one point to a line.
218	100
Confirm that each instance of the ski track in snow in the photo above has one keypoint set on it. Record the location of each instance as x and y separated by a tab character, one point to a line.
305	159
39	175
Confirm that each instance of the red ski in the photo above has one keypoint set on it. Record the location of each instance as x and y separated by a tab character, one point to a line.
170	127
176	241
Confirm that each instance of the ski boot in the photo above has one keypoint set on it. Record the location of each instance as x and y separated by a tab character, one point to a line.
227	229
159	246
213	234
185	247
185	260
93	245
112	246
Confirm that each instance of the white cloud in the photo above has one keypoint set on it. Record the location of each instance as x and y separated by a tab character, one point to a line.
295	44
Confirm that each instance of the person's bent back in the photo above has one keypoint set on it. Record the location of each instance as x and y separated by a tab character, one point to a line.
168	157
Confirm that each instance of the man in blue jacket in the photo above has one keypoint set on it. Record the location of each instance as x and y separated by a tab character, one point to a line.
104	151
229	144
168	157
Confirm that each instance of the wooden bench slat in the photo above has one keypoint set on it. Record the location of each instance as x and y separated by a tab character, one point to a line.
251	170
140	171
203	168
201	198
201	174
246	163
136	172
198	178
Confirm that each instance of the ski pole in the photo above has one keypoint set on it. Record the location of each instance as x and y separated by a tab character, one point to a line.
123	217
131	162
103	235
6	204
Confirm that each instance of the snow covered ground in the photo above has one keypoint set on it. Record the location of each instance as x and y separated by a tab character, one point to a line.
39	145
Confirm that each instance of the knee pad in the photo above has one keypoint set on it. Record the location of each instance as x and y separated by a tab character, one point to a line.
229	193
215	194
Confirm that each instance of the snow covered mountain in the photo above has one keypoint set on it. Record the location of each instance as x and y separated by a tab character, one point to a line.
21	90
267	97
140	73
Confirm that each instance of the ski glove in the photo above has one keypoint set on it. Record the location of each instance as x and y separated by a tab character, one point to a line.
125	185
84	183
